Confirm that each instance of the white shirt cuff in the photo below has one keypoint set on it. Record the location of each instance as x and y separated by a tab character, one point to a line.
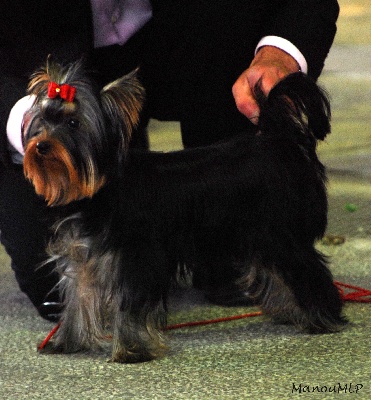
287	47
14	124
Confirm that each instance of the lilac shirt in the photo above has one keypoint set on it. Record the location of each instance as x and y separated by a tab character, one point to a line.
115	21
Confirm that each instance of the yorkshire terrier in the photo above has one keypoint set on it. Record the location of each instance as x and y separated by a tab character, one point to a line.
254	204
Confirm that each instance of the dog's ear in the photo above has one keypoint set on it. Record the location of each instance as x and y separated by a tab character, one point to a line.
122	102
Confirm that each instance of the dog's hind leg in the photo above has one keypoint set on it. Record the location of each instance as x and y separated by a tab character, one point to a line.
297	288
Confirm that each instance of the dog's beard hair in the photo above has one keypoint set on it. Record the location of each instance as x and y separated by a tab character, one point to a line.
55	176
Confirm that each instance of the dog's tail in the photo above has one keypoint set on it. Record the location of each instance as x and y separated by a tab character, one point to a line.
296	105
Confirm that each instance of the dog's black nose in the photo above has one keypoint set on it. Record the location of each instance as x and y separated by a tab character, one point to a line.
43	147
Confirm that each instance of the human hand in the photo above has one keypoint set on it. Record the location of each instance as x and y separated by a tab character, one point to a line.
270	65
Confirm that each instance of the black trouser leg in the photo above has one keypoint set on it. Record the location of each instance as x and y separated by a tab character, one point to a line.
24	224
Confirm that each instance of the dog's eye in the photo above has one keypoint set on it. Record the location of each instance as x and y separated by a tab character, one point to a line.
73	123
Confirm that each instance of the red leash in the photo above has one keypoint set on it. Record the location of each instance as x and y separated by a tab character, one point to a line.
213	321
47	339
358	294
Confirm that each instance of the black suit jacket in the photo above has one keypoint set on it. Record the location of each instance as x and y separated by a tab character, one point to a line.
201	41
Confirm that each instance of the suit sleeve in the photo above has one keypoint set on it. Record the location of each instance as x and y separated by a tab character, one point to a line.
308	24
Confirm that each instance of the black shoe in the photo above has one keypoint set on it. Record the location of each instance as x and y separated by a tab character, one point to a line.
50	311
40	287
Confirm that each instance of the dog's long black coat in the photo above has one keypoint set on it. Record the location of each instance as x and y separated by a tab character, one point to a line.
255	203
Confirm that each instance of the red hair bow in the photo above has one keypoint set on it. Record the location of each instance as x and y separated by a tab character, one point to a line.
65	92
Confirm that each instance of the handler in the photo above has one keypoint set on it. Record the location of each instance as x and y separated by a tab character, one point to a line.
199	61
